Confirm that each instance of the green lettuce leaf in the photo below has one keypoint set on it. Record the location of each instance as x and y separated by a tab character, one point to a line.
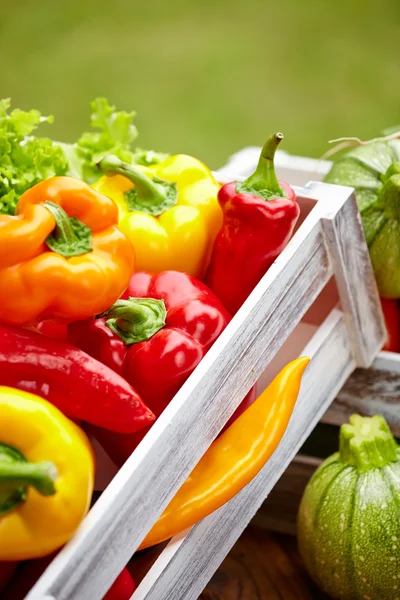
25	160
114	134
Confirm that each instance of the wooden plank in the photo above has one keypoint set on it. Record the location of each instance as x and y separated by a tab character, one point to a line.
146	483
188	562
368	392
387	361
262	566
279	511
356	283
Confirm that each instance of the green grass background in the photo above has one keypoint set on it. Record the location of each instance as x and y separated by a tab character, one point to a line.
208	77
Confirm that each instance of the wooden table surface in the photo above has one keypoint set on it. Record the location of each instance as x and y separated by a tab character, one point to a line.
262	566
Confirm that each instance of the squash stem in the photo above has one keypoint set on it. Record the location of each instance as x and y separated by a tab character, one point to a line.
367	443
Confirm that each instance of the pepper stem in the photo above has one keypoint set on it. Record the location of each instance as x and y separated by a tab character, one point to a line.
264	182
136	319
153	196
367	443
17	474
70	237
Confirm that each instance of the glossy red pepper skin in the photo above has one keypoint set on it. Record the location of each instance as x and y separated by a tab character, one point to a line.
158	367
391	312
122	588
254	232
80	386
57	331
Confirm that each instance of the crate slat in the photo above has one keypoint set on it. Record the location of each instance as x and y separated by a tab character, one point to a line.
279	511
188	562
370	392
351	264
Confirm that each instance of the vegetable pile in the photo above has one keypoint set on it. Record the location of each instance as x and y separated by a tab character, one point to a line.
117	263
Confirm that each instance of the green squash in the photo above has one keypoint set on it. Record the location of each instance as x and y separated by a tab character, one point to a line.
374	171
349	517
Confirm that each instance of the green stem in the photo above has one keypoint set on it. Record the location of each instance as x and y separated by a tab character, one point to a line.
70	237
17	474
136	319
367	443
153	196
264	182
111	165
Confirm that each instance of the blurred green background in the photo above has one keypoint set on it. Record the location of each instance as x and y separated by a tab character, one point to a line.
208	77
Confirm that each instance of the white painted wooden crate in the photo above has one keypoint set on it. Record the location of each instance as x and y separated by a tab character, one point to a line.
292	305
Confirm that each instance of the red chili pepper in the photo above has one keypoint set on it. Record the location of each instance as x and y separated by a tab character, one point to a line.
259	216
80	386
391	312
155	340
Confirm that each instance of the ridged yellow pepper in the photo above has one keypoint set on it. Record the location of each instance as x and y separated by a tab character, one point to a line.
41	502
169	211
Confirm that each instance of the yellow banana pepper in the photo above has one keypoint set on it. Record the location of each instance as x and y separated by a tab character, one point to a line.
234	458
169	211
41	502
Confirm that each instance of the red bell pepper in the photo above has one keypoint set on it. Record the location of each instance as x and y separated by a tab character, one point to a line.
80	386
155	337
391	312
259	216
156	334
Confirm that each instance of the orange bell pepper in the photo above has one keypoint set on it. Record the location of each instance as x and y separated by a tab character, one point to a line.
62	255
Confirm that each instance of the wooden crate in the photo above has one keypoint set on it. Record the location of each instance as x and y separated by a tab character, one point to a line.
294	303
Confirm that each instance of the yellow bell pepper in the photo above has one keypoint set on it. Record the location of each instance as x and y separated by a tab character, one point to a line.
41	502
169	211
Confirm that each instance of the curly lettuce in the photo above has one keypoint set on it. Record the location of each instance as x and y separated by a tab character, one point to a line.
25	160
114	133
